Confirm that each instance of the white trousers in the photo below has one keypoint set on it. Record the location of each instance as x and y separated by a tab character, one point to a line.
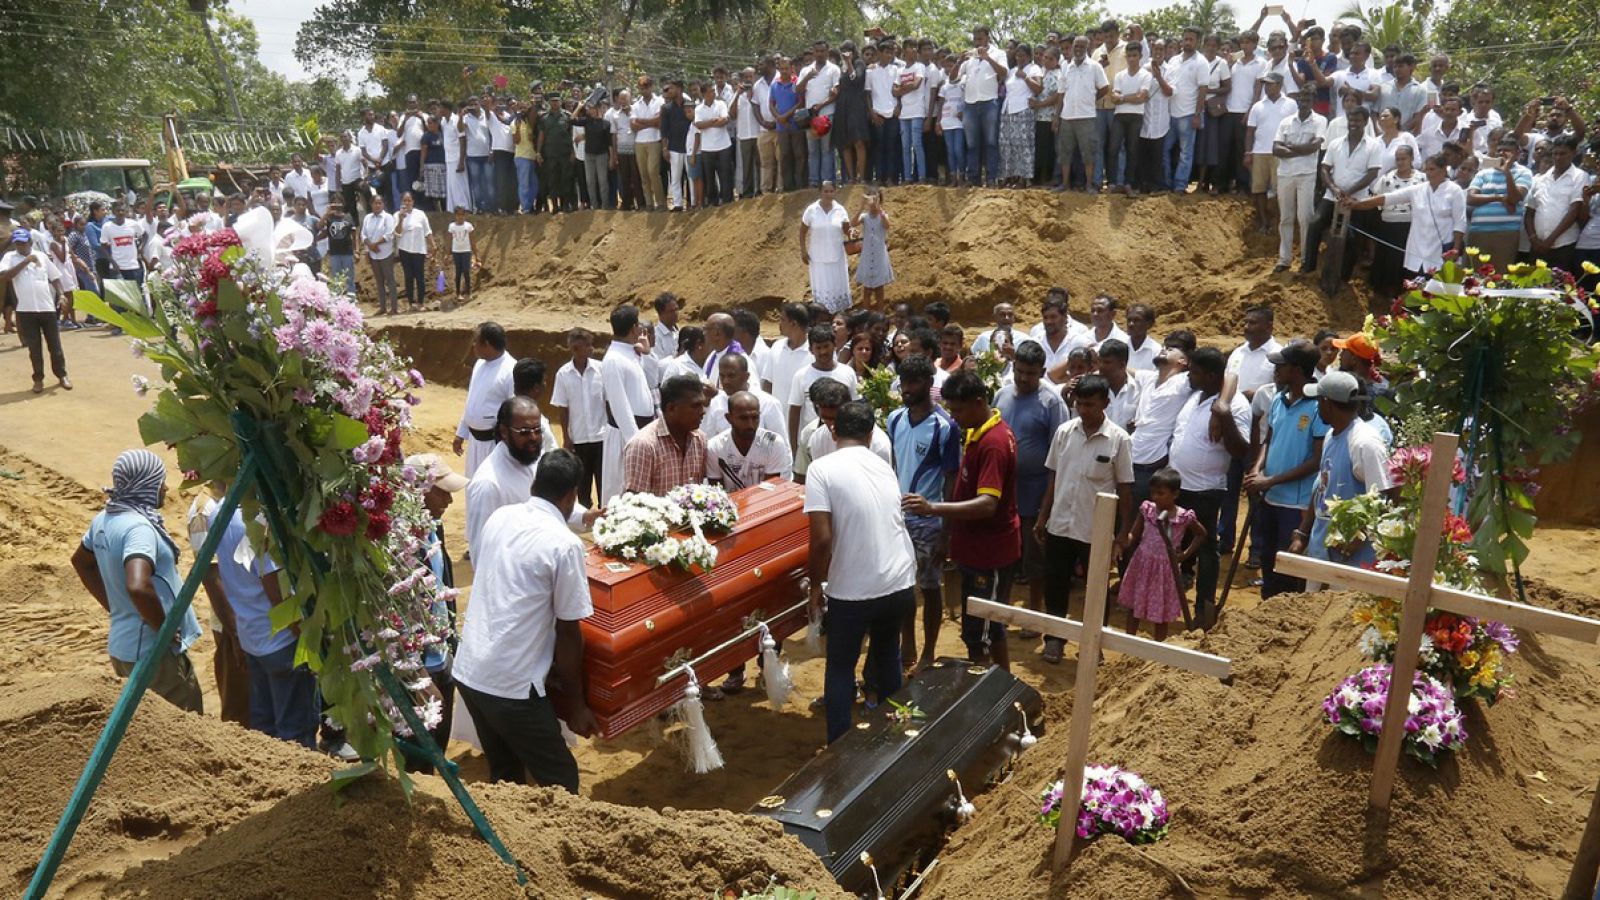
611	464
1297	197
477	452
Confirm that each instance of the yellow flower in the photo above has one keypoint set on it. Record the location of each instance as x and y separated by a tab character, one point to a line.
1472	251
1591	268
1468	659
1519	269
1543	265
1484	258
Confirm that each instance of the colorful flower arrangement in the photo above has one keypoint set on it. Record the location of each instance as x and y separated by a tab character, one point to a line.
1466	653
1504	366
351	533
1115	801
1433	722
991	367
641	527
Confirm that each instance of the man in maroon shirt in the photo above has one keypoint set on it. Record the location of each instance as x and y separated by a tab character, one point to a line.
985	533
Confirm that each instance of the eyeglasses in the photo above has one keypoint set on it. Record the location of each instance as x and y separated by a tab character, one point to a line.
527	432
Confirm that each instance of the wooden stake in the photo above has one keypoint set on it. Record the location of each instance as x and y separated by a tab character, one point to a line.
1094	608
1413	615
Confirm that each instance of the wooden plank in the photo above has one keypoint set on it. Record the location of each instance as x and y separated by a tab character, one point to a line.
1413	615
1466	603
1102	542
1115	641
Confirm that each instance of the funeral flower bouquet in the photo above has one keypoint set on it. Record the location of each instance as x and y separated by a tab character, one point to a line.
1115	801
670	530
879	389
1433	722
1466	653
325	408
991	368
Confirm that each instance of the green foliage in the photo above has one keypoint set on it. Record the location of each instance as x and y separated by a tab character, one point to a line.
1397	24
1210	16
1507	373
951	21
1525	49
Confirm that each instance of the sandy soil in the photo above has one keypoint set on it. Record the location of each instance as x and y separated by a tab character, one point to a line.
238	797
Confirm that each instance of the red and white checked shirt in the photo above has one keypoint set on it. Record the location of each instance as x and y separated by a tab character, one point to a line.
654	463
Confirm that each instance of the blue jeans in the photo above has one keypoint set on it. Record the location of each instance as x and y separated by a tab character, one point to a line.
955	151
1183	132
819	157
885	161
848	623
982	121
342	264
1110	170
480	178
283	697
527	184
913	159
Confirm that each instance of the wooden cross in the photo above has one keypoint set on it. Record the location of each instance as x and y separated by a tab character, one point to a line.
1090	637
1417	593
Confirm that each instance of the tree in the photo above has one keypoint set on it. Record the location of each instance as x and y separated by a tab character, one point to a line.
1210	16
951	21
1524	50
1395	25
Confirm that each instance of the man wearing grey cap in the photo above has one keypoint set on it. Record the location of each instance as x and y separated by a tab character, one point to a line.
34	279
1354	462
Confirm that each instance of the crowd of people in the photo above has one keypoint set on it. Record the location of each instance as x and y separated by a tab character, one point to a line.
991	482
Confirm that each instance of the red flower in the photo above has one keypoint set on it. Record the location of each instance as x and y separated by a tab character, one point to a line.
206	310
1457	529
377	526
197	245
341	519
382	497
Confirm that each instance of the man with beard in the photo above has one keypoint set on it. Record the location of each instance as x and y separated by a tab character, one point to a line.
506	476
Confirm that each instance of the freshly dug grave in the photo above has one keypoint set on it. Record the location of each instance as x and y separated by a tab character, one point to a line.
195	807
1194	260
1267	800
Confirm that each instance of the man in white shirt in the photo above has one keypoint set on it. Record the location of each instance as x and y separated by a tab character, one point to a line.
1296	144
912	89
748	113
819	86
862	564
413	125
735	377
503	155
1244	90
1124	389
1551	216
745	452
1102	325
1083	82
490	385
646	121
1261	128
349	172
374	141
521	636
1157	417
629	404
1203	461
1004	331
759	97
787	355
298	180
1358	78
580	404
1350	165
983	70
474	126
1190	76
1057	332
506	475
29	272
883	75
1089	454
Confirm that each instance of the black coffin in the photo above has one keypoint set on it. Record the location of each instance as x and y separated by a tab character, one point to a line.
884	789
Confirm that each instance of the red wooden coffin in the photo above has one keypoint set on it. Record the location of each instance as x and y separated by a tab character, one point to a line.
648	619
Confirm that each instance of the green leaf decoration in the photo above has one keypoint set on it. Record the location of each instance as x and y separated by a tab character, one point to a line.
348	433
343	778
229	297
87	302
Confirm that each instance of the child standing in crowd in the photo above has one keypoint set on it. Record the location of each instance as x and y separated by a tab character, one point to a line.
873	271
461	251
1150	589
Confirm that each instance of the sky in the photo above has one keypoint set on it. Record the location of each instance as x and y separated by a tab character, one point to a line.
277	20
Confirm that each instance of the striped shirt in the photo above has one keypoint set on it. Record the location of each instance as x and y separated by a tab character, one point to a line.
1492	183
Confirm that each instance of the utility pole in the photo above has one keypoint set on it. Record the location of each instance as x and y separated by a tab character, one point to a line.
199	8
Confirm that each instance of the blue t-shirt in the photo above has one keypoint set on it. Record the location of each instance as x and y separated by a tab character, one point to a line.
115	539
1294	429
252	607
1034	419
925	453
784	99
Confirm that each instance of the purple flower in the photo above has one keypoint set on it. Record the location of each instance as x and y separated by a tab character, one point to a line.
318	336
343	357
346	315
1502	634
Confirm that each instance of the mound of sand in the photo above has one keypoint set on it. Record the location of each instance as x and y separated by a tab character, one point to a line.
1268	800
195	807
1195	261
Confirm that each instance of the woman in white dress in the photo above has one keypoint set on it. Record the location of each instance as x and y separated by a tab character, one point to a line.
822	232
458	192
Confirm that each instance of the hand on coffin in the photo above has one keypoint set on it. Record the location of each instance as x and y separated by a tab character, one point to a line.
581	721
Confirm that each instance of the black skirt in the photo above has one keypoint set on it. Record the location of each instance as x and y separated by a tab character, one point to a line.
850	109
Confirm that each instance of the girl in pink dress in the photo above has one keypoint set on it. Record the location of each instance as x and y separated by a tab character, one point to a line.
1150	588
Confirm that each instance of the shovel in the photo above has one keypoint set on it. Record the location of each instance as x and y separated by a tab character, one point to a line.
1333	258
1177	575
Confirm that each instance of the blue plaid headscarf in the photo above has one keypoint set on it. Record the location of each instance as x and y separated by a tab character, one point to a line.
136	480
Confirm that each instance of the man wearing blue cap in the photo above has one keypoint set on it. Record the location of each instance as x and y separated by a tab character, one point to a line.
36	282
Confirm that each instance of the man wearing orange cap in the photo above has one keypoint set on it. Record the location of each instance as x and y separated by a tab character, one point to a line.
1359	356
